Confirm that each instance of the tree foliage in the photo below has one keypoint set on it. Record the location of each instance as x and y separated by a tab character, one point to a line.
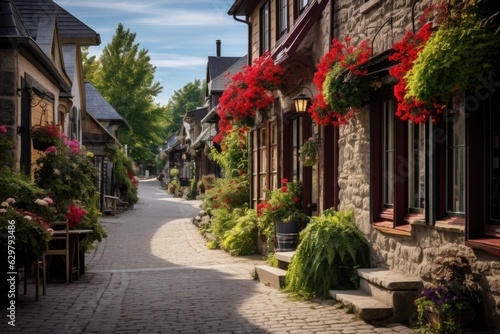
189	97
125	77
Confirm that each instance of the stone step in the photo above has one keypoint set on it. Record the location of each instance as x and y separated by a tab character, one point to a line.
284	256
364	305
394	289
284	259
272	276
390	280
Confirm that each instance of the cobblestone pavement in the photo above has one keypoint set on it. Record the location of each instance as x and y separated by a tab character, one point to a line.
154	274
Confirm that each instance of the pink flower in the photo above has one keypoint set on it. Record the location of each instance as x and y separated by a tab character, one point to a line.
51	150
3	129
49	200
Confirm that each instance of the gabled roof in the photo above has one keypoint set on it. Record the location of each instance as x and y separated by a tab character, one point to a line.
217	65
11	24
196	114
71	30
218	84
100	108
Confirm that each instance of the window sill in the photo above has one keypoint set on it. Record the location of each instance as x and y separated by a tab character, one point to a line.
365	8
491	245
451	225
387	228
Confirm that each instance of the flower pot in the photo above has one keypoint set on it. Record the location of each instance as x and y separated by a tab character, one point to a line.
462	319
287	236
41	145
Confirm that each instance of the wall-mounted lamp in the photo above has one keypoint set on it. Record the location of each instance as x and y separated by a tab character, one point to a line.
20	130
301	101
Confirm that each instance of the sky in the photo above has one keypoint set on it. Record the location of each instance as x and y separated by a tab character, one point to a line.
178	34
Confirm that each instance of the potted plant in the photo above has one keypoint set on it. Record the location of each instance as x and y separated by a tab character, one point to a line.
454	300
280	214
308	153
331	250
44	136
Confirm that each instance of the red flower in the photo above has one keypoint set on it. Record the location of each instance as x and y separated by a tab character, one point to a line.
240	172
74	215
250	90
406	52
295	199
284	189
344	99
284	181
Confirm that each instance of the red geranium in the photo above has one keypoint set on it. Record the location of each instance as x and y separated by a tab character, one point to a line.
74	215
250	90
338	80
406	52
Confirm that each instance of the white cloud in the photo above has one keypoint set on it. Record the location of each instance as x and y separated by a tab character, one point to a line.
177	61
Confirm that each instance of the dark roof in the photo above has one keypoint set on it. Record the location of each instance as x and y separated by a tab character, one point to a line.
219	83
195	114
99	108
33	12
243	7
11	24
217	65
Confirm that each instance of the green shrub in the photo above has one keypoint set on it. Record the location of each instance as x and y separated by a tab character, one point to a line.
242	238
331	249
193	191
228	193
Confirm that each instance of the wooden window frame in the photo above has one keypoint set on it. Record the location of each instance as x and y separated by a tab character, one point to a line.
478	235
393	220
265	28
282	26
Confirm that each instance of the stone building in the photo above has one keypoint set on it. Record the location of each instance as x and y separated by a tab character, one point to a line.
417	190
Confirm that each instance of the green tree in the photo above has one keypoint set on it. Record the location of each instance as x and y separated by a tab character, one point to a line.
125	77
90	64
190	97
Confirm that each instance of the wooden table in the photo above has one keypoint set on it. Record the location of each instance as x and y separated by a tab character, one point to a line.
74	248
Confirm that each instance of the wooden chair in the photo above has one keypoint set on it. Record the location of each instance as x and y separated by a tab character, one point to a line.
61	241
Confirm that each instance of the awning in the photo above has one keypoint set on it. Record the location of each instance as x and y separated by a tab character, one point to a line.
300	29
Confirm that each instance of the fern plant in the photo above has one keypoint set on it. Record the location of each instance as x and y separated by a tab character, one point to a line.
330	250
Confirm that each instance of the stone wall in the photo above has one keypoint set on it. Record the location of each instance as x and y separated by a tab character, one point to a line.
413	254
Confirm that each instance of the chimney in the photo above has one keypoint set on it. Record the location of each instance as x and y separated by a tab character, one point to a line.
218	48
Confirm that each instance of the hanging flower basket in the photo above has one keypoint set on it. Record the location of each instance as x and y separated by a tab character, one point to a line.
342	88
308	153
44	136
41	145
250	90
433	64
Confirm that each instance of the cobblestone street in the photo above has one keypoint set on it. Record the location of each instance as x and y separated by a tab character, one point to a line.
154	274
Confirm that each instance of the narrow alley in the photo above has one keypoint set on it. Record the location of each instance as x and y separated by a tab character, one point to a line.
154	274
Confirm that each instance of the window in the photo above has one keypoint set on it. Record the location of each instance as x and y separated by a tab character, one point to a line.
416	158
297	140
388	193
482	152
493	170
282	17
265	29
395	168
302	5
264	160
455	164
